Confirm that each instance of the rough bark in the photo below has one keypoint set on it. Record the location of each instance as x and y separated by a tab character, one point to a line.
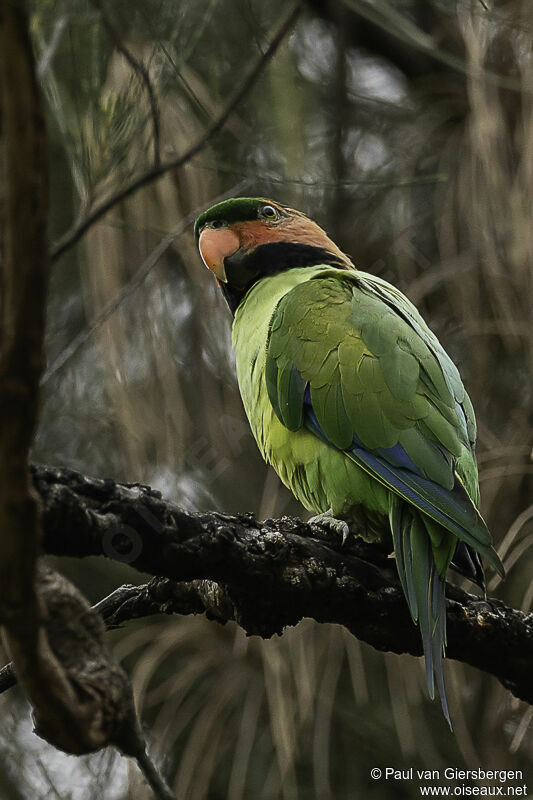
267	575
23	277
73	710
81	699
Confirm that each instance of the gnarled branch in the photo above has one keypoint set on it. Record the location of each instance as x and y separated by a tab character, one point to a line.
81	699
268	574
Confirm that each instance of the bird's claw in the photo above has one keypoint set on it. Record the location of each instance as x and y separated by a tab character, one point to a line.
331	523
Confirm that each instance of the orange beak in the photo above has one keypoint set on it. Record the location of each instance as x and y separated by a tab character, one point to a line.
215	245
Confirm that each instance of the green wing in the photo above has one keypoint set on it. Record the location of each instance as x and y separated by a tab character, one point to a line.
349	357
382	389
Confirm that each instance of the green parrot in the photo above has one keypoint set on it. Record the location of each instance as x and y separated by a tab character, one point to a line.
353	400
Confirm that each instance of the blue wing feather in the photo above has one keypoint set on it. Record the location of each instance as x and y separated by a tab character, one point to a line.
453	510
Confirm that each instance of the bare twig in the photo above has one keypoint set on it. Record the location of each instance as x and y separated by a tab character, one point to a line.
142	72
8	678
130	287
159	596
51	48
155	780
73	236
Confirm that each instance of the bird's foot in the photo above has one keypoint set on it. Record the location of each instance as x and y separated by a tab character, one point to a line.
331	523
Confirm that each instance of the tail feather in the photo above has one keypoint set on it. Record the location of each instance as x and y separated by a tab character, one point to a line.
453	510
439	638
468	564
424	589
421	579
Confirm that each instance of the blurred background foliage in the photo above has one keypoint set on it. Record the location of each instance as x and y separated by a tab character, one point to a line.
406	130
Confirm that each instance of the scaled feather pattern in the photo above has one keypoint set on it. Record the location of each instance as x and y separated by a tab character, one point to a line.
354	401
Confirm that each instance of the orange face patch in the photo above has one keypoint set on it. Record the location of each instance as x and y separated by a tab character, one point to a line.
215	245
295	228
256	232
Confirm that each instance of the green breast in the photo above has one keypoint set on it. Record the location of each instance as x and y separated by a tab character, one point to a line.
317	474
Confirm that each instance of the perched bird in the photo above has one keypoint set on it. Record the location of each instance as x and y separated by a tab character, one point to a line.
353	400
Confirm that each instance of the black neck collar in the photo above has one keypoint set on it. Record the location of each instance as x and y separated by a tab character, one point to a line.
244	269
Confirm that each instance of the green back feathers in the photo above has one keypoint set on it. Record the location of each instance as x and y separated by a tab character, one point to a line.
384	390
370	416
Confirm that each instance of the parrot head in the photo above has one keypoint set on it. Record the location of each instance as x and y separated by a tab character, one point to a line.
244	239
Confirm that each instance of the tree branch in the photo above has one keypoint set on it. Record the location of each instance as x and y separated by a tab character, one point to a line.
73	236
23	281
69	704
269	574
81	699
159	596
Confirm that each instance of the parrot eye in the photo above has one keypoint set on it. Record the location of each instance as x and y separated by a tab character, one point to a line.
269	212
218	223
